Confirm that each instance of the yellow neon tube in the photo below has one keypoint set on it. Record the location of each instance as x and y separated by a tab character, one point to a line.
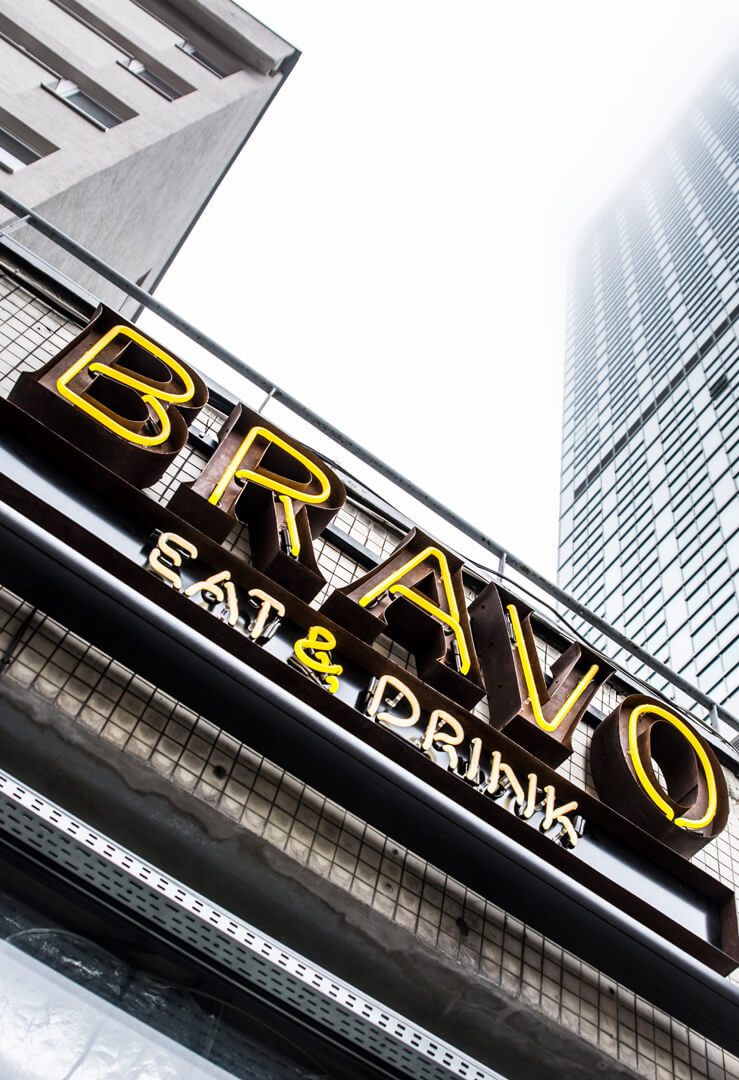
554	814
531	796
292	526
268	604
443	740
149	395
451	619
233	471
165	546
647	784
498	766
318	640
473	767
386	717
212	585
528	673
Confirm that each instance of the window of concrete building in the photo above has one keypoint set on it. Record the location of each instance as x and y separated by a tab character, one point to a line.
126	49
39	22
151	79
88	102
14	152
85	993
83	103
191	38
19	71
202	58
74	1028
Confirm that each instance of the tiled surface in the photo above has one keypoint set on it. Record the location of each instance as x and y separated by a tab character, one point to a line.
136	718
378	537
31	332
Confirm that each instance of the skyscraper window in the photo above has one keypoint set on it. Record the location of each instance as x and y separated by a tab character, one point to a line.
83	103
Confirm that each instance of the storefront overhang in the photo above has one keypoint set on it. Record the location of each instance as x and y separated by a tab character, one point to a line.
75	588
101	876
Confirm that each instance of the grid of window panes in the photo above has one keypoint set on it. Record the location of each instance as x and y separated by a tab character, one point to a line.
649	530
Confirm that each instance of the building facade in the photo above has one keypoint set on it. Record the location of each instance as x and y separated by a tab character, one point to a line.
287	789
649	530
119	120
212	865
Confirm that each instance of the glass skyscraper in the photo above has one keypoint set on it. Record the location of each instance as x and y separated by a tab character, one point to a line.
649	529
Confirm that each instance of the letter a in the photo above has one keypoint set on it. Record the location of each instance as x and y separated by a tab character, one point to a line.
416	597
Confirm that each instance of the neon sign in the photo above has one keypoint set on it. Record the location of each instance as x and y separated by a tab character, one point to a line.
126	402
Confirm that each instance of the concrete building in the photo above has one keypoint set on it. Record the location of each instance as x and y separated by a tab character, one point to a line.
649	532
119	119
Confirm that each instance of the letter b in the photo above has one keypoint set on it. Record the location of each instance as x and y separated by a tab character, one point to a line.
118	396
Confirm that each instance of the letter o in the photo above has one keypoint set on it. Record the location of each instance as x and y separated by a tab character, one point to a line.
653	768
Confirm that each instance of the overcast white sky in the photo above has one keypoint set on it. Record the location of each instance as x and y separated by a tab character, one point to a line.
392	246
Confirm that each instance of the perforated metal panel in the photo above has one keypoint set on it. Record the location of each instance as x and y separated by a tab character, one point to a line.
256	960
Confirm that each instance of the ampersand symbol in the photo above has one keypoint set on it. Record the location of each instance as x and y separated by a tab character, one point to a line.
318	644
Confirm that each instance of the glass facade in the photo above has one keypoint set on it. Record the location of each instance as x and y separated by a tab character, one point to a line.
94	988
649	527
